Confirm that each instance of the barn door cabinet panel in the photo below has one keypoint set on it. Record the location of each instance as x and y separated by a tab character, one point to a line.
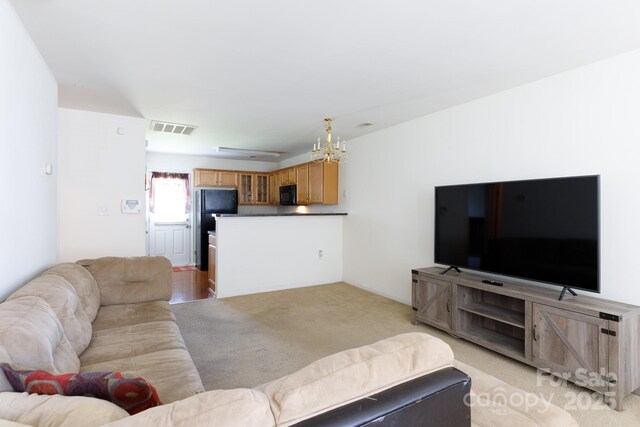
571	344
592	342
432	302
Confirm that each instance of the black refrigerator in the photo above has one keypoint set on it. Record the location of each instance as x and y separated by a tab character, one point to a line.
209	203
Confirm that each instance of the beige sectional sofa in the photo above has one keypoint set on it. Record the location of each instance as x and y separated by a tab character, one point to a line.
112	314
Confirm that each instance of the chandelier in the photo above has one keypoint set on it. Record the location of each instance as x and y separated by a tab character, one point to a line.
327	150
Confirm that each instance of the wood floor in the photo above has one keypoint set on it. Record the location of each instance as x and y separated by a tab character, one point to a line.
189	286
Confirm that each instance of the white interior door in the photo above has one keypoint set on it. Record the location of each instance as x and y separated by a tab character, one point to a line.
172	240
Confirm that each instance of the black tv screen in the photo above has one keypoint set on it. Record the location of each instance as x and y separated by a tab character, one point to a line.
543	230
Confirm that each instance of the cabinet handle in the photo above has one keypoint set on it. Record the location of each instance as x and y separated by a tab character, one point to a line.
535	332
448	309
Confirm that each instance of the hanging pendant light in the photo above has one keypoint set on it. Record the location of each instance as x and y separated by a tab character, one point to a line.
329	151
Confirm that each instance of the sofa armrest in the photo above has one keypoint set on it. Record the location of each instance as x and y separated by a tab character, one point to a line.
131	280
435	399
355	374
57	410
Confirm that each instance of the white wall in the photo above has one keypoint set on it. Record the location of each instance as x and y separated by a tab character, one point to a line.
259	254
586	121
28	115
98	169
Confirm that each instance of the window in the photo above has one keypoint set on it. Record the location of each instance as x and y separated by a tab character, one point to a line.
169	197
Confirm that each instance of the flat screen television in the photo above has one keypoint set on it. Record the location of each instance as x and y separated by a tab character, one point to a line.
544	230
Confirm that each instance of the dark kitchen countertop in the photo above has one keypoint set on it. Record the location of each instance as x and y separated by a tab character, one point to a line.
283	214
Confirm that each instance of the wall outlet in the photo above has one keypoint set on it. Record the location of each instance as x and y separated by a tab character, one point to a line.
320	254
103	210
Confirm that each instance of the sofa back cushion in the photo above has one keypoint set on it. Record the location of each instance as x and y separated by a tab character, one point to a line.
31	336
353	374
83	282
64	301
131	280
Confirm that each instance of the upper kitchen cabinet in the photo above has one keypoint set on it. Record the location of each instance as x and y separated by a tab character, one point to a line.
323	183
317	183
288	176
215	178
302	181
274	188
254	188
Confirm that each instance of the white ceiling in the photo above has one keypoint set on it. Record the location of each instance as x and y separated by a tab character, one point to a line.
258	74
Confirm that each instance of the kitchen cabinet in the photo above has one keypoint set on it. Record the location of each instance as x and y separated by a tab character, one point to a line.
274	188
323	183
302	184
261	191
317	183
215	178
254	188
211	273
288	176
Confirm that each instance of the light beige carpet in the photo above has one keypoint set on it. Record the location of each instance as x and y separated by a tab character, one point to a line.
249	340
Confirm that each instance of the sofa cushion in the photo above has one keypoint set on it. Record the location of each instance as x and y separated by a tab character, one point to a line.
131	341
57	411
31	336
131	280
353	374
126	390
218	408
62	298
171	372
84	283
113	316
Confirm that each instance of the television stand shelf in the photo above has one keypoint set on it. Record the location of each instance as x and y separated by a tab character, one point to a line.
590	341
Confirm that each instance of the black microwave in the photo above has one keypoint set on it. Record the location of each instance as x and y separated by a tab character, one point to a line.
288	195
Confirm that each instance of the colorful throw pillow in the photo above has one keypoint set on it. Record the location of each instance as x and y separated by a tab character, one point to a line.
131	393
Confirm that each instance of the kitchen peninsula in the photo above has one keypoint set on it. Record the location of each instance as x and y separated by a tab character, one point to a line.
268	252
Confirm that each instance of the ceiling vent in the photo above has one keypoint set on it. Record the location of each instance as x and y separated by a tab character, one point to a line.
176	128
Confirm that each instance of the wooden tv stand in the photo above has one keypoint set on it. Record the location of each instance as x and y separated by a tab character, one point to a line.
592	342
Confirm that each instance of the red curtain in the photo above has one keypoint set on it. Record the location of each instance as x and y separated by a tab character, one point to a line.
184	177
